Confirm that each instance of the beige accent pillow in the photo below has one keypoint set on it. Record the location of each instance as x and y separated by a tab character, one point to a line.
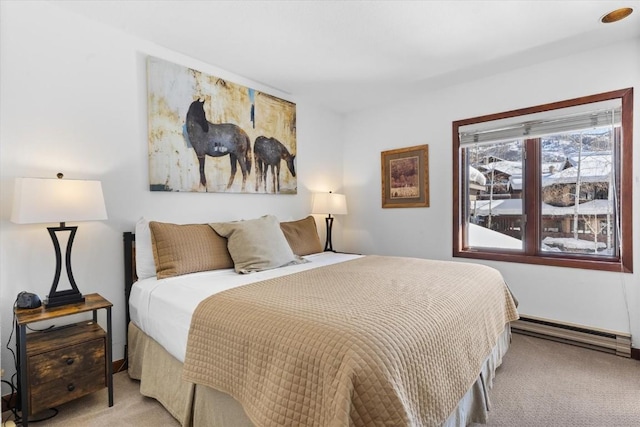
189	248
302	236
256	244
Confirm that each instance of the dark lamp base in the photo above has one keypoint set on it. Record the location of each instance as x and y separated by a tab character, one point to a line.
70	296
328	246
63	298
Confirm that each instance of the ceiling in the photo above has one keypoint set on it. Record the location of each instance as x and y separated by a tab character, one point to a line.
351	55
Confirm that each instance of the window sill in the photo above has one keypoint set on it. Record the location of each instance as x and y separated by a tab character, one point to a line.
602	264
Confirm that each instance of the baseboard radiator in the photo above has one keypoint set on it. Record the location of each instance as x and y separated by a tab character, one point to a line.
618	343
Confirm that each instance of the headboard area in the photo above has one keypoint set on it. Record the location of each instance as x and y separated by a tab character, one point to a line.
129	241
167	250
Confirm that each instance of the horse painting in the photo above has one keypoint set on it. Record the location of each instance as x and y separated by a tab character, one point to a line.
270	152
216	140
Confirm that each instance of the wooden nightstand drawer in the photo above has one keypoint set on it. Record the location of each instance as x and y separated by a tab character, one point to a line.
69	362
65	364
66	388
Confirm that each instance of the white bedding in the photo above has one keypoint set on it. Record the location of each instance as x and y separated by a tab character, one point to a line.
163	308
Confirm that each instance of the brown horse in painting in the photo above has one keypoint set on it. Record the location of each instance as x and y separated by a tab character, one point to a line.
216	140
270	152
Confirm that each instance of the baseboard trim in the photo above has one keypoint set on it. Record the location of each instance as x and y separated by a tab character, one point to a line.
9	400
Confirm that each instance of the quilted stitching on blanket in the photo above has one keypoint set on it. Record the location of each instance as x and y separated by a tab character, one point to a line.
376	341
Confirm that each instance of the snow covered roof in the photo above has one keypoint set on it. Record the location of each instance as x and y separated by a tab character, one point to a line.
552	166
575	244
476	176
593	168
504	166
515	182
514	207
592	207
486	238
498	207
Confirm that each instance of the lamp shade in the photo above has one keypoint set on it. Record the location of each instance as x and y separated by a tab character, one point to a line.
43	200
329	203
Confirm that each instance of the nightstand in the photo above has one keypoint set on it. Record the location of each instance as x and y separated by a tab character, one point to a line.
63	363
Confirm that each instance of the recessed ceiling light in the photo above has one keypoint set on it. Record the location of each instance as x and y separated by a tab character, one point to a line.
616	15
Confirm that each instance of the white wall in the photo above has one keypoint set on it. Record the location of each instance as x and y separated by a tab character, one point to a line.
74	100
592	298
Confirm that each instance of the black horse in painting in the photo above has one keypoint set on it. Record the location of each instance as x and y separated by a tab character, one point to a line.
216	140
269	152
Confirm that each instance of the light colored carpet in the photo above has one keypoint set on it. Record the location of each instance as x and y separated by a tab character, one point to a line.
129	408
540	383
545	383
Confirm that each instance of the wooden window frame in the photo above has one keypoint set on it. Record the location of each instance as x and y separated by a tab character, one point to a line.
531	254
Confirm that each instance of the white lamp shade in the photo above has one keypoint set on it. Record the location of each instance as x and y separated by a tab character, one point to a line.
43	200
329	203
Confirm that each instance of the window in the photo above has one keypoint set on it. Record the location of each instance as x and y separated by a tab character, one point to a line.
548	185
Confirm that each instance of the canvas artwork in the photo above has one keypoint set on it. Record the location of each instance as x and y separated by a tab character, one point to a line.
207	134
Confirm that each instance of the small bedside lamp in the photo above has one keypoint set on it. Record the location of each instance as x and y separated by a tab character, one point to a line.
41	200
329	203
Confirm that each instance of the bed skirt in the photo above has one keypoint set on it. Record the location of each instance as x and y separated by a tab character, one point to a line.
160	376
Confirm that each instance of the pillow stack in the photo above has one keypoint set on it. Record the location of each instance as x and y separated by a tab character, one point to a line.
166	250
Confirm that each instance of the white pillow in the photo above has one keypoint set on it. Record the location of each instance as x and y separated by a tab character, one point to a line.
145	264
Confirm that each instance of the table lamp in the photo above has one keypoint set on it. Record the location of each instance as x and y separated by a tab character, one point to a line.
43	200
329	203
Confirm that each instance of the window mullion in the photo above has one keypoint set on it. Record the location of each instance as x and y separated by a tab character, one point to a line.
531	196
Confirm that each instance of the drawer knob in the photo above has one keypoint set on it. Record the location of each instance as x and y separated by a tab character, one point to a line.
70	361
71	387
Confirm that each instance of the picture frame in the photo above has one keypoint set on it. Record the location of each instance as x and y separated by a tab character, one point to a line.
405	177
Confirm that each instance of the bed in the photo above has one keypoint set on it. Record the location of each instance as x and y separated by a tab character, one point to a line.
307	337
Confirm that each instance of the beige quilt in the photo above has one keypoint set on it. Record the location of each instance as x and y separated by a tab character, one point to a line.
376	341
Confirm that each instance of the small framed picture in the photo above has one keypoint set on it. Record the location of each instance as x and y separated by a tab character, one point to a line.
405	177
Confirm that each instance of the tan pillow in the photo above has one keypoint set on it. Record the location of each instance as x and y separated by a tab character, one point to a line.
181	249
302	236
256	244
